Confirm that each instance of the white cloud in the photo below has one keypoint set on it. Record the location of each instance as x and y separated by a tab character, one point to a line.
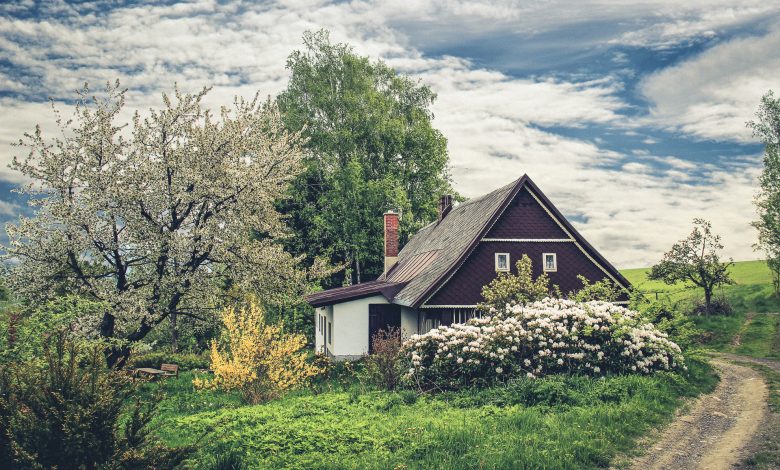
9	208
713	94
496	124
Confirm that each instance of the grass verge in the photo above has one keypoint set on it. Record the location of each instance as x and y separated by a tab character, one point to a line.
557	422
752	295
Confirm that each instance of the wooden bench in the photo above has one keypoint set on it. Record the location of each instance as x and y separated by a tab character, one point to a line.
165	370
169	370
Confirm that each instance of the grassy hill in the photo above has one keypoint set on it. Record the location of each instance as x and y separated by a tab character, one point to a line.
753	329
753	291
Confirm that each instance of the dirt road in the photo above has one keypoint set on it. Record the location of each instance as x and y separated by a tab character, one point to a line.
717	430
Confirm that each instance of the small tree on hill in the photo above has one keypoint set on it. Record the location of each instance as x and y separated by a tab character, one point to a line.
521	288
695	260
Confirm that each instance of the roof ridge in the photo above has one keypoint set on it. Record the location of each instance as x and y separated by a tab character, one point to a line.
479	198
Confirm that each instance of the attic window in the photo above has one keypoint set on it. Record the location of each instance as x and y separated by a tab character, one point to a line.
549	262
502	262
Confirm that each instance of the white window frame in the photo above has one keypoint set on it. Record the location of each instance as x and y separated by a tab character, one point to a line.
544	262
508	263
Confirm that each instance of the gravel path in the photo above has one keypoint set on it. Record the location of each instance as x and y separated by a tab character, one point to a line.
717	429
771	363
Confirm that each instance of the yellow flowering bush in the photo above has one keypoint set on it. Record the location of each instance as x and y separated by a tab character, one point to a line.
256	358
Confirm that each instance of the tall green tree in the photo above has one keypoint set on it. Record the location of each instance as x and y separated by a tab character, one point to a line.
694	260
767	129
371	146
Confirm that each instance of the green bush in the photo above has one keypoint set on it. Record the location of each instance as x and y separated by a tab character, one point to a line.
668	318
68	411
229	460
409	397
382	367
23	329
184	361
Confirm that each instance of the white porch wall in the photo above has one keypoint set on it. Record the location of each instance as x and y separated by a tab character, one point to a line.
408	322
318	312
350	326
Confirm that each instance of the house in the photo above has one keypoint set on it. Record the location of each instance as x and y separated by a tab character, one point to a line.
437	278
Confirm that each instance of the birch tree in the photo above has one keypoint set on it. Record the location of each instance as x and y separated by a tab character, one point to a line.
371	146
158	216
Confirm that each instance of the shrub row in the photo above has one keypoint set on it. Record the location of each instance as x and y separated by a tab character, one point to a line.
541	338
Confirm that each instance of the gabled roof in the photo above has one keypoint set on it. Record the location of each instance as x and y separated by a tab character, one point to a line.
435	252
453	237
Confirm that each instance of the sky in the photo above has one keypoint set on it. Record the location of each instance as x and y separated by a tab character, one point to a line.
629	115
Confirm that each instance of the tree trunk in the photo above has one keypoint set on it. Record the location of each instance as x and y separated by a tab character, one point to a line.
116	356
357	269
707	301
174	333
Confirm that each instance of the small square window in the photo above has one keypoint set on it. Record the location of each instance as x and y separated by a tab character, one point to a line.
549	262
502	262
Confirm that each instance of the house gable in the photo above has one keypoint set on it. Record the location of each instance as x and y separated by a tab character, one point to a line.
528	224
518	214
525	218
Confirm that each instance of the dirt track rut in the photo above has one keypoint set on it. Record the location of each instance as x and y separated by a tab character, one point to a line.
716	431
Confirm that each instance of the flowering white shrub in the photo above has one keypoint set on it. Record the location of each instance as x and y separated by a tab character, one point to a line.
545	337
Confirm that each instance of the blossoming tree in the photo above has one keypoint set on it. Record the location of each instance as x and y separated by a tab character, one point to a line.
156	217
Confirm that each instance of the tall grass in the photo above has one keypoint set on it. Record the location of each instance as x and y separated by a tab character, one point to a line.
557	422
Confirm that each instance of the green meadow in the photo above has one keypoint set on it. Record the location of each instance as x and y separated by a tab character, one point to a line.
554	422
754	327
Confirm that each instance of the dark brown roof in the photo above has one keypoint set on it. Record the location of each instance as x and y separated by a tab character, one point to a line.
412	266
435	252
452	237
357	291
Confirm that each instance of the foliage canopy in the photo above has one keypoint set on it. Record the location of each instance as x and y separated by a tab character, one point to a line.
370	146
767	129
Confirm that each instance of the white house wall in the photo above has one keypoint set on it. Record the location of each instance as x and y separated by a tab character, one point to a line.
318	342
409	324
350	326
319	333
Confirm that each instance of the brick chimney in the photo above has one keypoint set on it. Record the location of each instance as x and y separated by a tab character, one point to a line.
445	205
391	239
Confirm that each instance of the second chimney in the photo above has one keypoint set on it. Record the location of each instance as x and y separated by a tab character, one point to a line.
445	205
391	239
